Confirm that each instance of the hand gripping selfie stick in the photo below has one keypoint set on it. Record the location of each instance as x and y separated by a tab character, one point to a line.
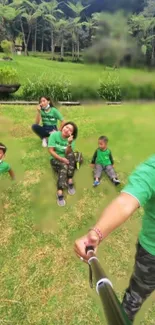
114	312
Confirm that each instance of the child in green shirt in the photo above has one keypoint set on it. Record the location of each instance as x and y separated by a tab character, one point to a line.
4	166
103	161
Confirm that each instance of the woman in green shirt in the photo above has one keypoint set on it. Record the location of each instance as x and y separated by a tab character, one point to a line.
61	147
49	115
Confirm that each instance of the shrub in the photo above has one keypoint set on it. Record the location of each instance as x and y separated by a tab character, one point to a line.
110	88
6	47
8	76
58	89
84	92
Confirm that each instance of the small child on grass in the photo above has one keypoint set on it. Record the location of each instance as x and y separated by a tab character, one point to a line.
4	166
103	161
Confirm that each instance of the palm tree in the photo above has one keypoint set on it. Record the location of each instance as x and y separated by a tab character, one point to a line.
62	26
7	16
76	25
28	12
50	13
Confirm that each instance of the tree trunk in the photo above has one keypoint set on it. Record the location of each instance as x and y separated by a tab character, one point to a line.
62	46
26	51
24	38
78	47
27	41
35	37
73	51
52	44
42	42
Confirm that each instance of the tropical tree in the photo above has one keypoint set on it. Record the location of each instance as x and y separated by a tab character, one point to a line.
28	12
76	25
62	26
7	16
149	14
51	11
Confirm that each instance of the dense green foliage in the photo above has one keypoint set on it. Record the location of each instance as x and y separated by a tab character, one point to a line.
8	76
113	32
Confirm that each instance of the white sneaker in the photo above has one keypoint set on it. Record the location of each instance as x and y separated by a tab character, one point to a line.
44	143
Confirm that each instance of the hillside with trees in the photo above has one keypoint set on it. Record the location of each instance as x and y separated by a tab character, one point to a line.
110	32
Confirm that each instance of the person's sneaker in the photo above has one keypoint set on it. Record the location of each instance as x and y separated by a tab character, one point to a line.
96	183
44	143
116	181
71	189
61	201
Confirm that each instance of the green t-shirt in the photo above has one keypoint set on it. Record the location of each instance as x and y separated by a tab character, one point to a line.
60	144
103	157
4	167
141	185
51	117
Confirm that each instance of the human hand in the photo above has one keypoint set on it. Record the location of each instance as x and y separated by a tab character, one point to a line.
65	161
91	239
92	165
39	108
70	139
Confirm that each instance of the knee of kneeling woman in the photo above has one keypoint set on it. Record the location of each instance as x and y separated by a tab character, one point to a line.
33	127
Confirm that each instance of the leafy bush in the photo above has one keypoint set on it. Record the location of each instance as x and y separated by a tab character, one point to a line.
109	88
135	91
58	89
8	76
84	92
6	47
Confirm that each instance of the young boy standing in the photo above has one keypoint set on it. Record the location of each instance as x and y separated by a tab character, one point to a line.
4	166
103	161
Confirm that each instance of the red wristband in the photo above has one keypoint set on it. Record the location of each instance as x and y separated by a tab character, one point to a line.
98	232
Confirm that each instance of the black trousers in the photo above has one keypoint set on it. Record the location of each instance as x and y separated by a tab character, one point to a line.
43	131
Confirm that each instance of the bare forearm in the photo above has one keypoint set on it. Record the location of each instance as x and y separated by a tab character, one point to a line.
68	150
61	125
117	213
38	118
54	154
12	174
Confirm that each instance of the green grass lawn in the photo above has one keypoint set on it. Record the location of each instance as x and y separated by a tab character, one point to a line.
42	282
79	74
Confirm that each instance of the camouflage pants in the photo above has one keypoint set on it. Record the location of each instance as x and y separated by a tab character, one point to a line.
64	171
142	282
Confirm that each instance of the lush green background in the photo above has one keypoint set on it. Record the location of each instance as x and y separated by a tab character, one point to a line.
84	79
42	282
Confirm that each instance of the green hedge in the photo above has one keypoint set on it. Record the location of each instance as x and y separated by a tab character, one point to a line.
65	91
109	88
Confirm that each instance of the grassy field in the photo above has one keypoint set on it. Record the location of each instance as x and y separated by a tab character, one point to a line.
42	282
84	78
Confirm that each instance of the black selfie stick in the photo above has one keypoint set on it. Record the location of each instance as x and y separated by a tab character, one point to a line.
114	311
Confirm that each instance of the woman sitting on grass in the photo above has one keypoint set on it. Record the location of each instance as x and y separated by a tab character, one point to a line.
61	146
49	115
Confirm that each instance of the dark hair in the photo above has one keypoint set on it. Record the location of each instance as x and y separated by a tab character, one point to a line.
47	98
3	147
103	138
75	129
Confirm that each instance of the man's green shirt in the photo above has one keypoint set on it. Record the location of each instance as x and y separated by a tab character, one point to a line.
141	185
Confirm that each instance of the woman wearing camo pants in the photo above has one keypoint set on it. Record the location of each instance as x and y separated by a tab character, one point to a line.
61	147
